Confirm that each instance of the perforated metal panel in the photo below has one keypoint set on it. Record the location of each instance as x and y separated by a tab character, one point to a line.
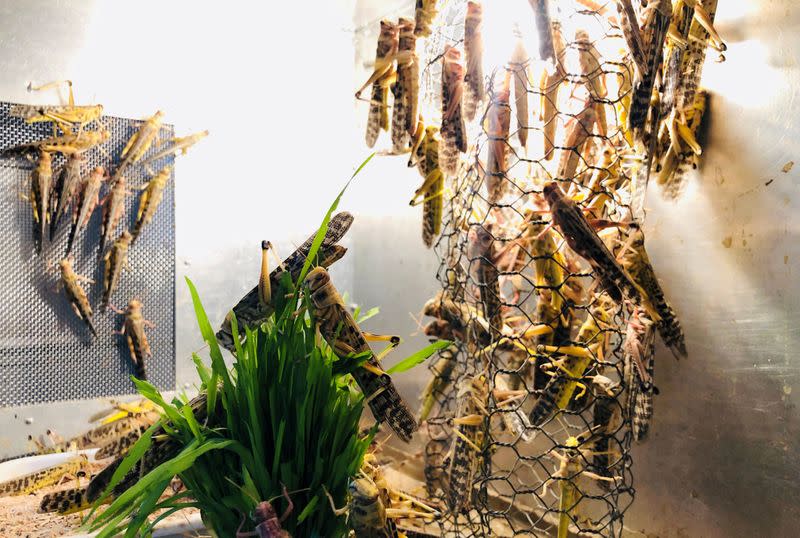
46	352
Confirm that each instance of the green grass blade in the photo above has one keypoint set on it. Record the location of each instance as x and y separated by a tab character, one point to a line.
419	357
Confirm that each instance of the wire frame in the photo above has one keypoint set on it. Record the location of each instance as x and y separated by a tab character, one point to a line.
530	321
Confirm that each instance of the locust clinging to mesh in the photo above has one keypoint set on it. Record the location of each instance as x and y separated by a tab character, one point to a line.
115	260
153	193
177	145
86	202
473	51
468	438
406	88
432	187
61	115
380	80
340	330
75	293
139	143
454	132
113	211
41	184
64	190
499	125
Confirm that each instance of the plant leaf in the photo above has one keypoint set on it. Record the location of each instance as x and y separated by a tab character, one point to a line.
419	357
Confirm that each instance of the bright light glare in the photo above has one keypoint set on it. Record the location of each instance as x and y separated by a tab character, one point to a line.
500	19
763	83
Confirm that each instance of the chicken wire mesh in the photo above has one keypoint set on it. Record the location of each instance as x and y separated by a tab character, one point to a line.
46	352
529	412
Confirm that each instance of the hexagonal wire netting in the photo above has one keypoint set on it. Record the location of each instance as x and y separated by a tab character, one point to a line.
530	425
46	352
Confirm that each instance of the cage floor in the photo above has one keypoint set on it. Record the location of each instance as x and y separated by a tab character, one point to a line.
46	352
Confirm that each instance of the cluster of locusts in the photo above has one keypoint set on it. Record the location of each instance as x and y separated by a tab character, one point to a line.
55	194
515	297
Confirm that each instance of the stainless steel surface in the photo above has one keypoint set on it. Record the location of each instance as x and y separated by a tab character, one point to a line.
724	457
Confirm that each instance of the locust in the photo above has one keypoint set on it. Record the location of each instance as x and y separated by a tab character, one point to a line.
68	143
676	163
176	145
441	378
700	32
61	115
432	187
607	420
657	16
268	525
86	202
572	465
250	310
424	14
454	135
41	184
112	439
152	194
30	483
677	41
638	368
484	274
134	331
64	190
582	239
473	54
115	260
519	68
560	389
76	296
593	77
340	330
549	88
629	24
462	319
637	263
139	143
544	27
579	130
467	447
380	80
499	124
113	211
406	87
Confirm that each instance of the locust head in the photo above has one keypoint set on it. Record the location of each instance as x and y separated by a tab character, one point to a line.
264	511
321	292
135	305
552	193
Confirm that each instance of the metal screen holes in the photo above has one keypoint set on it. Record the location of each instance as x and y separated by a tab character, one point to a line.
46	352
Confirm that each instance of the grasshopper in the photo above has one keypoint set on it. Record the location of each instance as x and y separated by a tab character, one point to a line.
61	115
549	87
544	27
112	439
75	293
560	389
250	310
467	445
115	260
638	360
579	130
676	163
113	211
432	187
424	14
139	143
153	192
463	319
629	24
406	88
135	335
454	132
65	189
340	330
593	77
68	143
582	239
86	202
474	90
637	263
381	78
519	67
33	482
657	16
177	145
268	525
499	124
572	465
41	184
484	273
606	422
440	380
